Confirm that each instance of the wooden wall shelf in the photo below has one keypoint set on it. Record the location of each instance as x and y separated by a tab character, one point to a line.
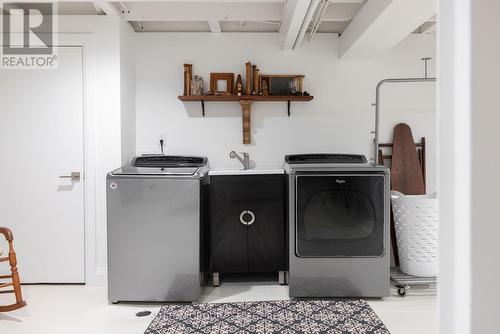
245	103
223	98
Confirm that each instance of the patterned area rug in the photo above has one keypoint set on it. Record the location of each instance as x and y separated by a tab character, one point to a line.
341	316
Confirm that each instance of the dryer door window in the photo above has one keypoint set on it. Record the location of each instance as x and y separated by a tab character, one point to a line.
340	215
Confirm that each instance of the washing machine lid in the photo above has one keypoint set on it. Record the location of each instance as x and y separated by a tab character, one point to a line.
325	158
131	170
168	161
164	165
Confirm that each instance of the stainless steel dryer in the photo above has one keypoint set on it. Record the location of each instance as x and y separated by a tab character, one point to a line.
338	226
157	216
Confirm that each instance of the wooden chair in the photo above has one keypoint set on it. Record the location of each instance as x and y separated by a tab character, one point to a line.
14	276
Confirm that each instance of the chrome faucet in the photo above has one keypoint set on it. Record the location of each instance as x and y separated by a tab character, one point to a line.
245	161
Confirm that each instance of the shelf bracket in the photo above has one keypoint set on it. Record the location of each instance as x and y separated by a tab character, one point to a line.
203	108
245	109
288	107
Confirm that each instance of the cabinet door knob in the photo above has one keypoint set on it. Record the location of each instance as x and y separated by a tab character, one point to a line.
247	212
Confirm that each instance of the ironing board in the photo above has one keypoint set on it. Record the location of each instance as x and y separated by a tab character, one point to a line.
406	172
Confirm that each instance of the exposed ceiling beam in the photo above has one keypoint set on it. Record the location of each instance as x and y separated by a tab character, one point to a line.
341	11
318	17
305	24
294	15
347	1
210	1
98	9
382	24
214	25
175	1
107	8
200	11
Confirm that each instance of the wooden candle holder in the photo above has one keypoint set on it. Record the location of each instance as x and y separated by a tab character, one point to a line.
248	78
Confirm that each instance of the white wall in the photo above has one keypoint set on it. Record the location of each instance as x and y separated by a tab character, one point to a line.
127	91
469	158
454	167
339	119
485	162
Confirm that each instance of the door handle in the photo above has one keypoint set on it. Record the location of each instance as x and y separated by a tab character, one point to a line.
75	176
247	212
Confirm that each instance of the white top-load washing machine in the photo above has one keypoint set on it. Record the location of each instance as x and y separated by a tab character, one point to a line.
338	226
157	229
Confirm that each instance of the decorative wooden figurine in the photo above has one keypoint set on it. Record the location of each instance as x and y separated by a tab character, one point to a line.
186	73
252	83
238	89
264	87
300	84
248	78
190	78
255	80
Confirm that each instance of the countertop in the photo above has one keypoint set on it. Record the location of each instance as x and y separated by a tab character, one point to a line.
251	171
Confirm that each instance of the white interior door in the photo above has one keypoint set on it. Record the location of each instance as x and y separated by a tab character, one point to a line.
41	139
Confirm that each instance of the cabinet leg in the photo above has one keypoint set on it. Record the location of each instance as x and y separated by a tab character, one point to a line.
281	277
215	279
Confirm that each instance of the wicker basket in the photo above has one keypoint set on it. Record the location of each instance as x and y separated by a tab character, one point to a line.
416	222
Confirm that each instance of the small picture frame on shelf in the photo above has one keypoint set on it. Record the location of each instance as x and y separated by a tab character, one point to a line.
221	83
282	84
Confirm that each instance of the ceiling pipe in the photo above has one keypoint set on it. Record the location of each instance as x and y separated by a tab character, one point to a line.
316	16
305	24
319	18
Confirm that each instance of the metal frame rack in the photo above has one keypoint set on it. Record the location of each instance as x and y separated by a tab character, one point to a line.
403	281
377	101
406	282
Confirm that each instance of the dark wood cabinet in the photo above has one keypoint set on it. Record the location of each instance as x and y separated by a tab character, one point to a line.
247	217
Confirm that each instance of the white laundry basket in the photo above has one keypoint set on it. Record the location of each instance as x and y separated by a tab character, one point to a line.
416	222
